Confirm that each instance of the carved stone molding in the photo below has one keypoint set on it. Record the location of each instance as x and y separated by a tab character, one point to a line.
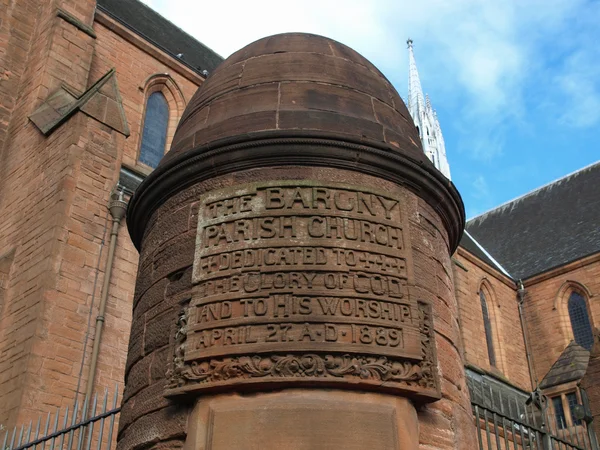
293	148
416	379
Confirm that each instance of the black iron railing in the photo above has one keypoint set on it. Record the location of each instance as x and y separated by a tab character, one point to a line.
509	419
504	419
88	426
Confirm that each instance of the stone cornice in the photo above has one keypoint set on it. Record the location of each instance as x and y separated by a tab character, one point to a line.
285	148
560	270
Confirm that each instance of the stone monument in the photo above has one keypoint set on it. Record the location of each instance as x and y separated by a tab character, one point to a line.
294	287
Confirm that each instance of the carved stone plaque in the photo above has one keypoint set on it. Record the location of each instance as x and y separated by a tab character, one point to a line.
303	283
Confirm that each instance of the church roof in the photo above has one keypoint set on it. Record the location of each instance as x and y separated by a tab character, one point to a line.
548	227
472	246
571	365
159	31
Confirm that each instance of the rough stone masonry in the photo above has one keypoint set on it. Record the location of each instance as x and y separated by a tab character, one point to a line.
295	267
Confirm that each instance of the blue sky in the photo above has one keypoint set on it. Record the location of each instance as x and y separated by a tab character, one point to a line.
516	83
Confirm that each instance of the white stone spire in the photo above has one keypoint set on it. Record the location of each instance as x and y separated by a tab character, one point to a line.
425	117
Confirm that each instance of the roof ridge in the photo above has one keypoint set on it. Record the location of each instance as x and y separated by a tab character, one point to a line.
486	253
535	191
142	2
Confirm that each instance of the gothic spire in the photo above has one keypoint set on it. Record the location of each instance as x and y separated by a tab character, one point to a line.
415	92
425	117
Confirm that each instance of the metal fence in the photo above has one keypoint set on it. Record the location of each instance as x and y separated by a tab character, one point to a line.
496	431
505	418
88	426
508	419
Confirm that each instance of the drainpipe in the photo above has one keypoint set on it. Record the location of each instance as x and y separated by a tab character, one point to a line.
536	394
521	291
117	207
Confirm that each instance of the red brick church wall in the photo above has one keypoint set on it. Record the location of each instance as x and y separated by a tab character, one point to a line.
501	296
546	306
53	202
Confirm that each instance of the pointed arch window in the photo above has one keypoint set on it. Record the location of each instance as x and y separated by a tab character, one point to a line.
580	321
488	329
154	134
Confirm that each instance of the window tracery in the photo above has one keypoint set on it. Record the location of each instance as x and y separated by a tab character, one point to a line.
154	134
164	103
580	320
487	325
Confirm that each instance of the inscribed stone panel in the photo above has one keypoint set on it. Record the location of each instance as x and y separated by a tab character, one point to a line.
298	281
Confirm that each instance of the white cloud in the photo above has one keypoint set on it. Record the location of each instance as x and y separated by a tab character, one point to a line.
480	197
480	187
583	100
228	26
578	79
477	58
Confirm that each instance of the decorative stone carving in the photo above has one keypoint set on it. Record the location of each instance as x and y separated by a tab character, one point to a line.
297	282
176	372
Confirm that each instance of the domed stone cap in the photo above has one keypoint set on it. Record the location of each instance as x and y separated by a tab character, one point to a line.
296	99
297	84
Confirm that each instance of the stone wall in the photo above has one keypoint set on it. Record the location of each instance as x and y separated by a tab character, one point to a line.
34	173
591	383
136	65
546	307
54	192
502	301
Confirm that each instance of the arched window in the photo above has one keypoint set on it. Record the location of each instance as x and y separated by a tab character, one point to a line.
580	321
488	329
154	135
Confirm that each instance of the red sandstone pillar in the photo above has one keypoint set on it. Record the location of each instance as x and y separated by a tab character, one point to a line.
294	289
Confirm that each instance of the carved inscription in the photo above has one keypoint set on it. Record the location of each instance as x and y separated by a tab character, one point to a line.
307	277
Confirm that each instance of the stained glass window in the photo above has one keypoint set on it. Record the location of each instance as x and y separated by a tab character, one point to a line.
154	135
572	399
488	329
559	412
580	321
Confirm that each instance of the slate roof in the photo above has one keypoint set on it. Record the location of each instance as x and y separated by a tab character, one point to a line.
468	243
549	227
571	365
163	34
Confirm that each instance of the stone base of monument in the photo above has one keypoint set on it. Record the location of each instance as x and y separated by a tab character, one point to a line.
303	420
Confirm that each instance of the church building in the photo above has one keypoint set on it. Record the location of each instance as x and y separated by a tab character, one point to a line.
91	93
526	274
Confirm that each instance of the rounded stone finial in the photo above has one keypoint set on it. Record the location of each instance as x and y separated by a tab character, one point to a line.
296	99
297	85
